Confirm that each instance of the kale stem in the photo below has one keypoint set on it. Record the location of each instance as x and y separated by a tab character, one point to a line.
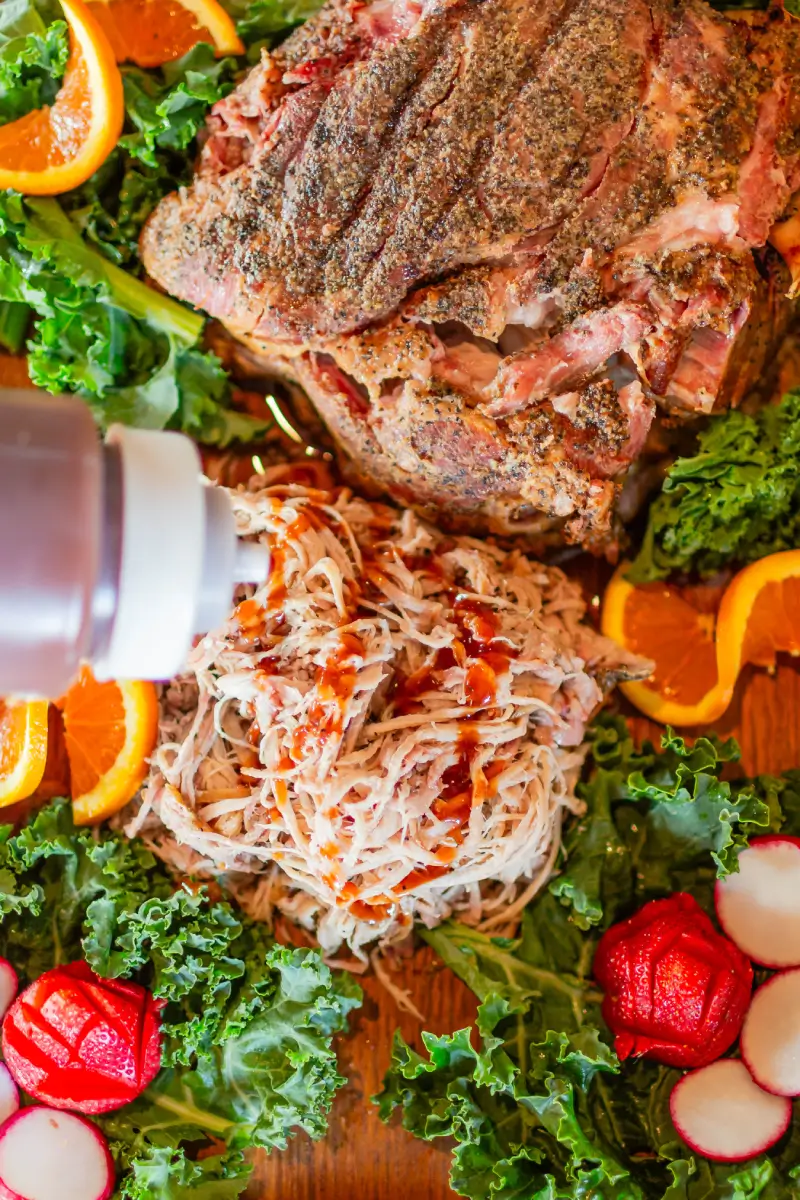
512	968
190	1113
14	321
521	1047
57	948
124	290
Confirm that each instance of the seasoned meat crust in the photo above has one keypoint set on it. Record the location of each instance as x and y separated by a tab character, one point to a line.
490	236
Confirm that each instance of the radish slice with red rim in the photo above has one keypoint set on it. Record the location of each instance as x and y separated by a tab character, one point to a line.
9	986
722	1114
770	1040
9	1094
759	906
47	1154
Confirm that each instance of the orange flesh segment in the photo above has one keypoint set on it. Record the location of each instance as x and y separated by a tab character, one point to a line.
94	720
23	749
774	624
146	37
51	136
110	730
661	625
699	655
12	733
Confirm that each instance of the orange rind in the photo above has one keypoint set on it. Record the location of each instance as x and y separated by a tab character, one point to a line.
110	730
150	33
57	148
23	749
699	649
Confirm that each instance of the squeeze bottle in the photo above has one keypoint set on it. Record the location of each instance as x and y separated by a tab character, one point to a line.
115	553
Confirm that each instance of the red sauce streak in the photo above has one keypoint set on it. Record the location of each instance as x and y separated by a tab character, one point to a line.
276	590
477	621
424	564
339	675
457	797
480	684
460	792
306	519
418	878
363	911
250	617
406	690
484	655
335	683
374	581
490	655
446	853
479	624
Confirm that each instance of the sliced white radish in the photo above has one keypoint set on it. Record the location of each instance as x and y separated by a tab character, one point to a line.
759	906
9	1094
722	1114
9	986
47	1154
770	1040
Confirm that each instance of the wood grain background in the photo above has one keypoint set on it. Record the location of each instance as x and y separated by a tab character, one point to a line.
362	1159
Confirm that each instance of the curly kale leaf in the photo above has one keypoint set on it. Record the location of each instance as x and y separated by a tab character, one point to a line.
130	351
247	1025
33	57
734	501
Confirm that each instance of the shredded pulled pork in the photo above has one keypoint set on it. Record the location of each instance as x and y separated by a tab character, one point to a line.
391	721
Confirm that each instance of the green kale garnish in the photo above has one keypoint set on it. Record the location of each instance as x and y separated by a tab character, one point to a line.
247	1024
734	501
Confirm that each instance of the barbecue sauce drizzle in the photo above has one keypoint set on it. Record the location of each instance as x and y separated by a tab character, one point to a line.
484	655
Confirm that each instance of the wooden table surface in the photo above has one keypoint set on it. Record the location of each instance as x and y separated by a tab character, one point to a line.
362	1159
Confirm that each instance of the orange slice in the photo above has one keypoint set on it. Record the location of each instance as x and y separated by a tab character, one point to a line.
54	149
699	649
150	33
109	732
23	749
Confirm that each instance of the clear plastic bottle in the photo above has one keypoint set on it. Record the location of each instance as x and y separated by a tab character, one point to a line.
114	553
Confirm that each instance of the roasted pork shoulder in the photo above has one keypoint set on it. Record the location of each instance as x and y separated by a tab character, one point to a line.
489	237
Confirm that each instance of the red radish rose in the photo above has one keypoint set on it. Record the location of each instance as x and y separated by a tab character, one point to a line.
74	1040
675	989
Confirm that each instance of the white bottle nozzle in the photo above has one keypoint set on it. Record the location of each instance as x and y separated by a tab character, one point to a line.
179	556
117	555
252	562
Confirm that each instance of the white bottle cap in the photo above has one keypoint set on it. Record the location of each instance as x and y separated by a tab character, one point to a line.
179	556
